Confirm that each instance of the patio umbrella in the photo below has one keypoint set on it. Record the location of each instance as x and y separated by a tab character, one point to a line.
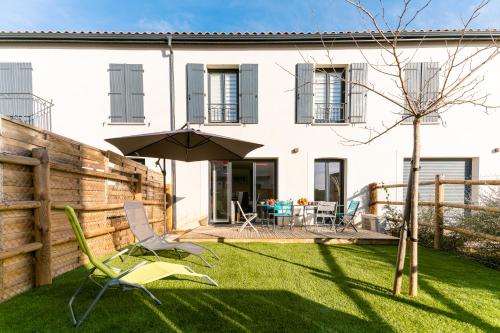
185	144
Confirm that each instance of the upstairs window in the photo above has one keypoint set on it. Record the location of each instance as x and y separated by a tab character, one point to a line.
223	96
422	84
126	93
329	96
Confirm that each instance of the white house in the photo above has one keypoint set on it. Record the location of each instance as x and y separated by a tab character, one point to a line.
276	89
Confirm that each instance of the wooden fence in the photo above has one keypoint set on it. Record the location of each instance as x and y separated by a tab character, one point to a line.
40	173
439	205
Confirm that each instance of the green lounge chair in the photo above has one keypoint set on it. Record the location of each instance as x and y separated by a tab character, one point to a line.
135	277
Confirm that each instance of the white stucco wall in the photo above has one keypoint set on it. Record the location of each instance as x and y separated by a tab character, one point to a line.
75	77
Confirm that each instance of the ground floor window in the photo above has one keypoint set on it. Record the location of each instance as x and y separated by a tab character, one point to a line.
329	180
450	168
248	181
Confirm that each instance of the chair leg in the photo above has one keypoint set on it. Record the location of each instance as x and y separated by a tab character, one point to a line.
212	252
130	252
156	255
211	281
150	294
73	297
205	261
77	323
350	223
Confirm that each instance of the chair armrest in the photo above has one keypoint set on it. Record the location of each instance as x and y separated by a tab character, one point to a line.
115	256
131	270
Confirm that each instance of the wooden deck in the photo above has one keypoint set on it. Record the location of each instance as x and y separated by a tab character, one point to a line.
230	233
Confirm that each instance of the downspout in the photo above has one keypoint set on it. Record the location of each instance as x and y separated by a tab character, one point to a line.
173	186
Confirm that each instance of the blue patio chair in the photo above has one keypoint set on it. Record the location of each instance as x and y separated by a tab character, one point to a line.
347	218
283	209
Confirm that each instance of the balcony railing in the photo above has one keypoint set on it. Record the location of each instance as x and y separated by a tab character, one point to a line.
223	113
28	108
326	113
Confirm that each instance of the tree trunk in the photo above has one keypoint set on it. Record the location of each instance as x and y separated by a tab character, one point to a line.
414	208
400	262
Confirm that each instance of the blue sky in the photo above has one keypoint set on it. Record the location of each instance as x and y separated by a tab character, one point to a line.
229	15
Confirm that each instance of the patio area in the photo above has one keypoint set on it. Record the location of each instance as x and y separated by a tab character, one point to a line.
230	233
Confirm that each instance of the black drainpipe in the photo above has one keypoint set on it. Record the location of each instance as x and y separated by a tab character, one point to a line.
172	128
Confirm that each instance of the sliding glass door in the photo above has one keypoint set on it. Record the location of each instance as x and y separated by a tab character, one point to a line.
248	182
219	191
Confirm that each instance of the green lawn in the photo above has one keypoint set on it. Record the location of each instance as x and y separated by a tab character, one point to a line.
280	287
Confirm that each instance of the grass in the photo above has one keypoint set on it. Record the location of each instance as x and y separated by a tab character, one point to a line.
280	287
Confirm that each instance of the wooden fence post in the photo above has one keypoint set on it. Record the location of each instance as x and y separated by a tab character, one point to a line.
373	206
41	186
438	211
138	187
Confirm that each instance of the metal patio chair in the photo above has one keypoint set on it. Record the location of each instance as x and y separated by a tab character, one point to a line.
134	278
150	241
283	209
248	218
347	218
326	211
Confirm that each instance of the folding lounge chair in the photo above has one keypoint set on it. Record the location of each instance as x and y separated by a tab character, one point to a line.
150	241
248	217
347	218
135	277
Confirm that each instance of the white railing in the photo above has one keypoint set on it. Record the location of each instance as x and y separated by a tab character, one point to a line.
28	108
325	113
223	113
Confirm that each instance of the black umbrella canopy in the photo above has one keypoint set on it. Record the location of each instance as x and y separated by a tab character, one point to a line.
187	145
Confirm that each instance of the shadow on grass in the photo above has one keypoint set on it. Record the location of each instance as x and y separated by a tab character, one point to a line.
183	310
354	288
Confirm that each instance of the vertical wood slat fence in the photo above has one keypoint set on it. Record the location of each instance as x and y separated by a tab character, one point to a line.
40	173
439	205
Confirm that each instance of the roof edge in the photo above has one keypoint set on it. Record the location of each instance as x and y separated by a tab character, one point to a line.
246	37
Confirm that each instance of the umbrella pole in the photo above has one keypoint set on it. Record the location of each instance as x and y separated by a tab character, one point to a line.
164	172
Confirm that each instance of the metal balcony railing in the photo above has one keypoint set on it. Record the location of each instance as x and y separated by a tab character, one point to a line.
223	113
28	108
326	113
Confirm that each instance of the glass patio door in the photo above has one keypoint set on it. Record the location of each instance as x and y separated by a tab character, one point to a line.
248	182
219	191
329	181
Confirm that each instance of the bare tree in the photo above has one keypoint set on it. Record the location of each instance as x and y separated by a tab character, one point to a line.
452	82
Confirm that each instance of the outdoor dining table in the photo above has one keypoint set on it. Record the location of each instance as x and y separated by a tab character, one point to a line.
267	215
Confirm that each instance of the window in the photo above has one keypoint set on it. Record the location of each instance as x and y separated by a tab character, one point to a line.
223	96
452	168
329	96
126	93
16	91
329	181
422	81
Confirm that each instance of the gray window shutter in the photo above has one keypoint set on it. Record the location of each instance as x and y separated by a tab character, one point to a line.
117	93
413	75
358	73
195	93
16	90
430	88
134	93
249	93
304	76
422	84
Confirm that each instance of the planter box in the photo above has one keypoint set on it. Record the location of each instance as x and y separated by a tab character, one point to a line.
373	222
